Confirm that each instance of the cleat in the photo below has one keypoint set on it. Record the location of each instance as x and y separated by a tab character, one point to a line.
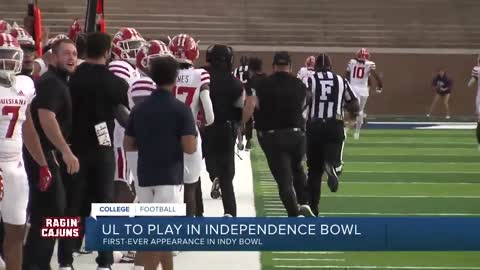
356	136
332	178
447	117
227	215
215	193
306	211
428	115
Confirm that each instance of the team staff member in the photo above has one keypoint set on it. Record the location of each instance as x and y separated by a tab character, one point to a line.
161	129
51	112
280	101
98	97
325	128
226	93
255	75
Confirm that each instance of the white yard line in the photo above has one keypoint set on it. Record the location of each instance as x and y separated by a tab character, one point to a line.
308	252
308	259
271	182
375	267
271	193
281	210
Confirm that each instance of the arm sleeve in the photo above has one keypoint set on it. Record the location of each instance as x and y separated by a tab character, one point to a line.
475	73
188	126
130	128
50	96
207	106
348	93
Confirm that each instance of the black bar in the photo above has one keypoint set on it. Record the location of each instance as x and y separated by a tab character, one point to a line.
91	16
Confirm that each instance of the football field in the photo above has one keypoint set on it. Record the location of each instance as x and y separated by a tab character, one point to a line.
389	172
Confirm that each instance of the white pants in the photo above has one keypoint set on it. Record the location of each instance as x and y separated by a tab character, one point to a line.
159	194
477	106
363	103
15	198
122	168
192	164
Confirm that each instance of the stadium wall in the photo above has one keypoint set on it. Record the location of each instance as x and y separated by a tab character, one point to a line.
407	79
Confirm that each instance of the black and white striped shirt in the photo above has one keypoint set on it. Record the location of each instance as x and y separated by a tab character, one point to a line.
329	92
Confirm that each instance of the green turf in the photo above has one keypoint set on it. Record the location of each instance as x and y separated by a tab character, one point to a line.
389	173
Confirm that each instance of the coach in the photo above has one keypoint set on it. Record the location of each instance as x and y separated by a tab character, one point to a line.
51	112
280	101
162	129
98	97
226	93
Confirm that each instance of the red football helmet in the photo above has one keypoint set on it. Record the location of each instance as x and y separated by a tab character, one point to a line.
184	48
310	62
151	49
11	55
22	36
363	54
74	30
4	26
126	43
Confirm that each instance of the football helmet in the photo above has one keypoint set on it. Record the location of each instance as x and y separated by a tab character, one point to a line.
11	55
74	30
4	26
126	44
184	48
363	54
310	62
22	36
150	50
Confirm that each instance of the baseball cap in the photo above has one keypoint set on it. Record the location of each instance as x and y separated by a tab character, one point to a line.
282	58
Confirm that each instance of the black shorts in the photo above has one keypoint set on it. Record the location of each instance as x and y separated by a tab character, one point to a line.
443	93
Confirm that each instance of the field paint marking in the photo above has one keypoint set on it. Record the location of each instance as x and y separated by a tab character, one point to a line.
375	267
393	171
308	252
382	214
409	142
270	182
421	123
308	259
270	193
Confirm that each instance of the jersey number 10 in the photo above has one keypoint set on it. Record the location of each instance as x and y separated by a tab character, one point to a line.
358	72
181	91
11	126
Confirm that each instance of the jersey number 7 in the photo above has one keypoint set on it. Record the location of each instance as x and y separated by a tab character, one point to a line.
11	126
182	91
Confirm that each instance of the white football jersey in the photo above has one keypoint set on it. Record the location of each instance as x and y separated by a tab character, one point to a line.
359	73
476	75
140	87
13	107
304	73
129	73
187	87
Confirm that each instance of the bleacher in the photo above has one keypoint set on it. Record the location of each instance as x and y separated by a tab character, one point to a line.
339	23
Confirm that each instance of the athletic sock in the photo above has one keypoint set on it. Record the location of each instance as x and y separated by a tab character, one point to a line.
478	132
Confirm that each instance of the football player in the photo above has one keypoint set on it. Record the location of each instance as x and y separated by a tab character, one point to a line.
308	70
358	73
16	128
28	46
241	72
474	80
125	46
4	26
192	88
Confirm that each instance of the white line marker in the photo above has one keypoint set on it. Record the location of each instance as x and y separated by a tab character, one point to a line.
269	193
308	259
375	267
308	252
270	182
379	214
404	171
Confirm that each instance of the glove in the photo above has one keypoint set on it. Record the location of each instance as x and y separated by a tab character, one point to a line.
379	90
45	180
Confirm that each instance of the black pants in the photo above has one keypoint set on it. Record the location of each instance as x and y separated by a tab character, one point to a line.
285	150
38	251
324	146
92	184
249	129
220	161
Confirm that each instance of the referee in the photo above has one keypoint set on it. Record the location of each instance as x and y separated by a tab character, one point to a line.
329	94
280	102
